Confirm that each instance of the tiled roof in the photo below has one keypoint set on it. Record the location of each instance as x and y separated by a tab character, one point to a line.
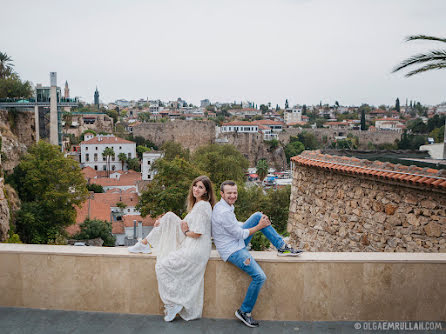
146	221
107	140
239	123
127	178
385	171
267	122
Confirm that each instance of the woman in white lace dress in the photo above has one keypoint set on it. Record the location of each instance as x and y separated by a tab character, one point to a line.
183	248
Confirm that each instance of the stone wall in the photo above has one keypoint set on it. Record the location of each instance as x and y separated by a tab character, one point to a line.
103	123
332	211
190	134
4	213
376	137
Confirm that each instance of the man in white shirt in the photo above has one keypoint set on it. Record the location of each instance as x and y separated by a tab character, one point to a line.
231	238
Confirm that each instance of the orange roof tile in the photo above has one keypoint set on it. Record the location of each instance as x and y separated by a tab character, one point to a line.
107	140
406	174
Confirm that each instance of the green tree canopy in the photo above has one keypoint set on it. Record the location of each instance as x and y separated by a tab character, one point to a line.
221	162
174	150
95	228
293	148
169	188
262	168
49	185
12	87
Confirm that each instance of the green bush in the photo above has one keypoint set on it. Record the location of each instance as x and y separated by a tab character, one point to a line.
95	228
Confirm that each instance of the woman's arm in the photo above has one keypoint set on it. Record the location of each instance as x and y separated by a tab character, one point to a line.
187	233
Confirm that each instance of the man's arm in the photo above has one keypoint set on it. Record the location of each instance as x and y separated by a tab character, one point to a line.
232	226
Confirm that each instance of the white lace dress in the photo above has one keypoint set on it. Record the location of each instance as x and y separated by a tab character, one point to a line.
181	261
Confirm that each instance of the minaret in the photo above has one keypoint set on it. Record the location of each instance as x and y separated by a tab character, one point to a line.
96	98
66	93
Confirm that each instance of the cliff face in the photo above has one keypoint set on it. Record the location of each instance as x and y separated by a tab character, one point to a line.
17	130
4	213
254	149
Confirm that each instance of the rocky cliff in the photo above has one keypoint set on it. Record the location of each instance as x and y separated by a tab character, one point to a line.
17	130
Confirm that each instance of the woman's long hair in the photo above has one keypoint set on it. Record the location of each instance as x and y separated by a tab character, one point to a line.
209	196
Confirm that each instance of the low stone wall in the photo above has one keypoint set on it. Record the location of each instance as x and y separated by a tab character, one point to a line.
312	287
332	211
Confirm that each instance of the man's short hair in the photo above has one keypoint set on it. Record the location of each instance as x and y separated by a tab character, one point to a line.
226	183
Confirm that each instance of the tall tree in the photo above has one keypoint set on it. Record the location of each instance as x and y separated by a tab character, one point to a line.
108	154
363	126
432	60
169	188
6	65
221	162
397	105
49	186
262	169
286	104
123	158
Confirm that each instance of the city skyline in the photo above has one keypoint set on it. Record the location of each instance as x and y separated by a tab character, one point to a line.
305	51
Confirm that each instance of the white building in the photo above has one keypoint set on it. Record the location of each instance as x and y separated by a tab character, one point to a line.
292	115
240	127
148	158
93	147
389	124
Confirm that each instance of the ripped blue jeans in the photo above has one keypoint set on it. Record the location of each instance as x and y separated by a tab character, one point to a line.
244	260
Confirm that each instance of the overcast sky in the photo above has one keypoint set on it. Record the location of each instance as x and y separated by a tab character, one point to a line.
305	51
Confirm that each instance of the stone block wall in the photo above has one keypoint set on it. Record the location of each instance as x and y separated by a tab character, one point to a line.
338	212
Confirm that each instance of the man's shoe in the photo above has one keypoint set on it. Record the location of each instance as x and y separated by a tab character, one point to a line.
246	318
288	251
139	247
172	311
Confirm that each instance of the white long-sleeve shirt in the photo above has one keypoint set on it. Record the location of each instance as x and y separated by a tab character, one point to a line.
228	234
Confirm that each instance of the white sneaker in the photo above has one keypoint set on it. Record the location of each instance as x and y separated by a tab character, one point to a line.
172	311
139	247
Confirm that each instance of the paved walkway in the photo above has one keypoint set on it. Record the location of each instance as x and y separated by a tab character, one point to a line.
34	321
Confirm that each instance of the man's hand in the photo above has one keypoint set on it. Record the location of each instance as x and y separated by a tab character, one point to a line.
184	226
264	221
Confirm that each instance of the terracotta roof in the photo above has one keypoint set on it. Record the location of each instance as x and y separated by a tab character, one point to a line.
267	122
380	170
89	173
127	178
388	119
107	140
146	221
240	123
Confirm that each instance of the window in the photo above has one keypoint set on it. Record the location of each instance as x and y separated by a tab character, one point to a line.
86	148
130	155
104	167
87	157
128	210
113	158
103	158
120	147
113	167
95	157
95	167
96	148
148	176
148	162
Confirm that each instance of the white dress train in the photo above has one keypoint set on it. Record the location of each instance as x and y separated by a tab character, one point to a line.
181	261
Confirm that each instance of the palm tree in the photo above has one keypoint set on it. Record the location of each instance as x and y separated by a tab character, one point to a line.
107	154
262	169
6	65
123	158
433	60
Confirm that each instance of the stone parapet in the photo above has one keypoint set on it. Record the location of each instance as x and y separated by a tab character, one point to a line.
312	287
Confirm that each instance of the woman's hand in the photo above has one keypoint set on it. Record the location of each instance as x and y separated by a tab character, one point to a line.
184	226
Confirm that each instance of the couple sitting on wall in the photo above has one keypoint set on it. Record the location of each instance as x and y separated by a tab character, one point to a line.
184	246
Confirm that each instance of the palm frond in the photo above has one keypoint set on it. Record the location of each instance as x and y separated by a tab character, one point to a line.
425	68
433	56
425	38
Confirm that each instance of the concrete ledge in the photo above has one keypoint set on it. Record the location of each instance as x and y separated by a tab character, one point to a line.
312	287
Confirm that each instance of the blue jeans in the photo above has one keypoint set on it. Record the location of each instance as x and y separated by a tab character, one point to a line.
244	260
